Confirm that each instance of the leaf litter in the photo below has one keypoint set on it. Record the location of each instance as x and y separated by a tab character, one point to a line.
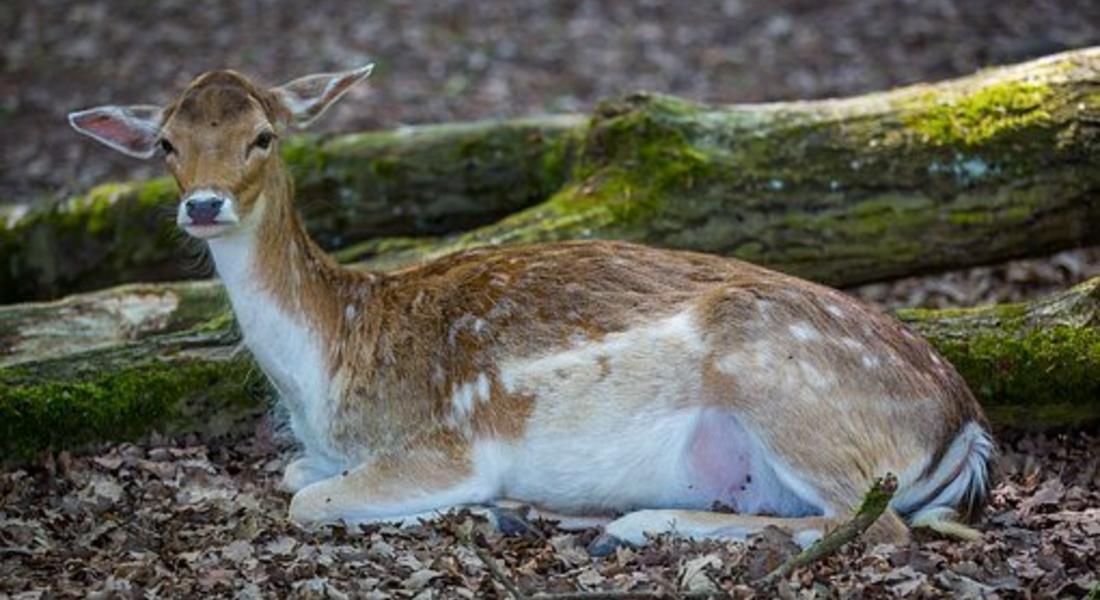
209	521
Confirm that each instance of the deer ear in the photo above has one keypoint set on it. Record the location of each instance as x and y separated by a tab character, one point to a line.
307	98
131	130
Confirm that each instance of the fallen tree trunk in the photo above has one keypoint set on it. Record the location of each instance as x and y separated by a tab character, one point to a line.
1034	364
997	165
413	181
113	365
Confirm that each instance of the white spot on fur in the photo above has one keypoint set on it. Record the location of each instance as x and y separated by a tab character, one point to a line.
482	387
834	310
462	401
853	344
350	312
670	346
467	395
804	332
814	377
466	322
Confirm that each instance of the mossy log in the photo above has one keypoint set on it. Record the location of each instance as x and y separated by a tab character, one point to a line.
997	165
412	181
118	364
115	364
1034	364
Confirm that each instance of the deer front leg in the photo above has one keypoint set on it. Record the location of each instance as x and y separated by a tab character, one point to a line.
395	489
305	471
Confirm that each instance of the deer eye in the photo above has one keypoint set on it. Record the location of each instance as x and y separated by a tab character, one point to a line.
263	141
166	147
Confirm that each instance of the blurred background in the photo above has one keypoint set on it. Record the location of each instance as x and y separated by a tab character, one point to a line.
458	60
449	60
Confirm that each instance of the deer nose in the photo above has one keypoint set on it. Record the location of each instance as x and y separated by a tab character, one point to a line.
203	211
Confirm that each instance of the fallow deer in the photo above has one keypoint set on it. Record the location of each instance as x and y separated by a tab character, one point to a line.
600	379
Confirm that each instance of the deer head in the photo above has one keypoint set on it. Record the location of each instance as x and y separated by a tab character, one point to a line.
219	140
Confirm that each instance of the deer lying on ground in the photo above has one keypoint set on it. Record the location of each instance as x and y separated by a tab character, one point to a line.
588	380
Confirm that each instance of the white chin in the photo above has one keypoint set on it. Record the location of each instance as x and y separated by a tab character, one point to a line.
206	232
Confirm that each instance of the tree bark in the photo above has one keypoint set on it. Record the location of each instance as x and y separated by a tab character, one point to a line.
116	364
997	165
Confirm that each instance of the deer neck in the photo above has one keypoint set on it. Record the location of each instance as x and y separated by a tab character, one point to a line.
285	292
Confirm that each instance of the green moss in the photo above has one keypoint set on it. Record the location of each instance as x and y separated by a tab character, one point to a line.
221	322
1031	365
970	217
999	313
93	209
635	159
983	115
384	246
1046	371
559	157
157	192
198	303
54	414
304	156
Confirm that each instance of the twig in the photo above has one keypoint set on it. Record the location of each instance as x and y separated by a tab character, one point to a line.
874	504
495	570
15	550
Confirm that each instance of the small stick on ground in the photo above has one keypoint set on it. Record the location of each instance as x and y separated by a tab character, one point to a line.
874	504
494	569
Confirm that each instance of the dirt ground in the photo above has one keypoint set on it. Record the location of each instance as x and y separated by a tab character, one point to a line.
186	518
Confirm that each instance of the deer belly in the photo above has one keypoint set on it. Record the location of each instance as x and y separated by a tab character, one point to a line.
620	423
696	458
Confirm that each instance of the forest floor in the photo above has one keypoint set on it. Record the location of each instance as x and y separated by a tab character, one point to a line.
175	519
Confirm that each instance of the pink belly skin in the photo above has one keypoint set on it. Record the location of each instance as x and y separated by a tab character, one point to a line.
729	468
720	460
